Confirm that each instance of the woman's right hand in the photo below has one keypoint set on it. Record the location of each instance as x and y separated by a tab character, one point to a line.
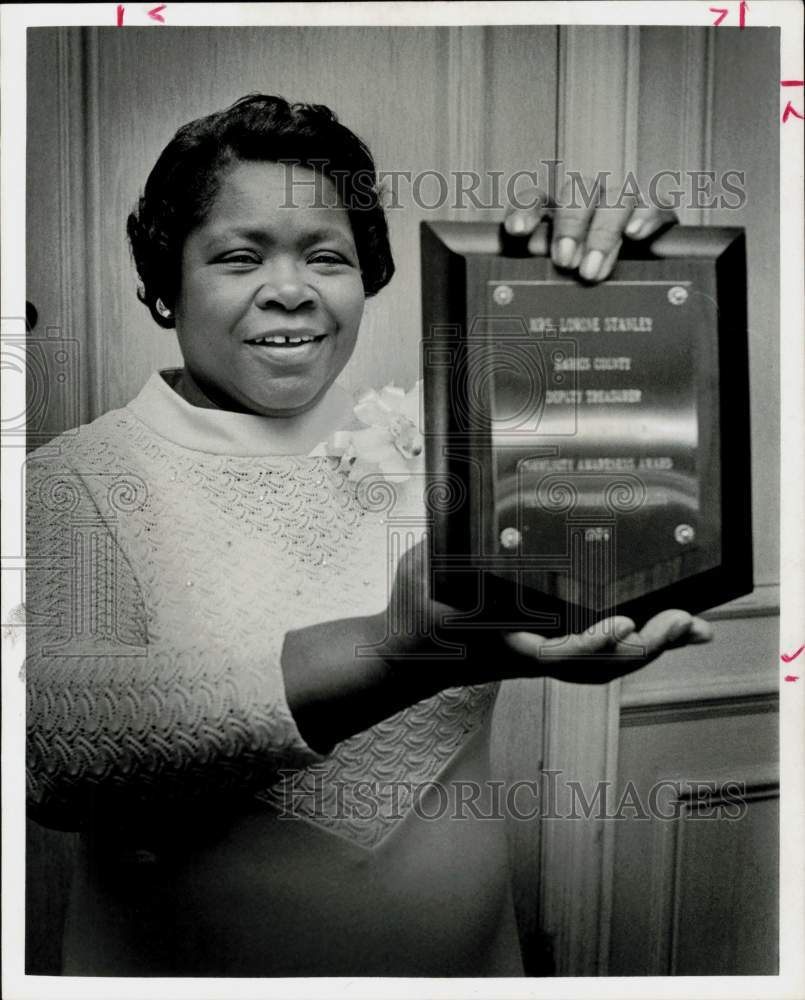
417	625
611	648
341	677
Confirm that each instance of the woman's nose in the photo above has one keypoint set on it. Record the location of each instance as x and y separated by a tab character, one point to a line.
286	286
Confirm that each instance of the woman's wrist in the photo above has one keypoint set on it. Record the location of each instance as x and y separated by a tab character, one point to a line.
343	676
451	654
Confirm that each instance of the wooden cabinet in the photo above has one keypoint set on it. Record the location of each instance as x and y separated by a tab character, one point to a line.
677	872
696	893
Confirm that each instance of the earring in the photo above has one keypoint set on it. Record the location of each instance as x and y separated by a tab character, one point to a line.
162	309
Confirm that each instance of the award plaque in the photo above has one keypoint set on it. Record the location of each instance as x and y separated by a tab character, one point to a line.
587	445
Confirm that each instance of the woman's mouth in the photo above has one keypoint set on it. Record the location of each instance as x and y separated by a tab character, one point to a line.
291	349
285	341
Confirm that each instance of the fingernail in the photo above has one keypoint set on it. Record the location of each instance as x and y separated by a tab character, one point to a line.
622	629
634	227
574	264
606	268
565	251
591	265
516	224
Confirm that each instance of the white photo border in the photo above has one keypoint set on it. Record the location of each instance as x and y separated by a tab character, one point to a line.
788	15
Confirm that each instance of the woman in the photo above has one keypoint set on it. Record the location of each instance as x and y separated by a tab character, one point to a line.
263	763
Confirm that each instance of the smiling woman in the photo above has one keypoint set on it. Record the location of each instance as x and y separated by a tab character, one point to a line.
227	656
247	572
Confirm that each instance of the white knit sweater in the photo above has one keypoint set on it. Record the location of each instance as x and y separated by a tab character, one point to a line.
169	551
170	548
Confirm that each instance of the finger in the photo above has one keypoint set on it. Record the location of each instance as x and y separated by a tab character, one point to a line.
604	239
700	631
571	220
592	231
597	265
523	217
645	221
600	637
666	629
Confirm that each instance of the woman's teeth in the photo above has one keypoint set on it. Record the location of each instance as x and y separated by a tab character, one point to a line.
285	340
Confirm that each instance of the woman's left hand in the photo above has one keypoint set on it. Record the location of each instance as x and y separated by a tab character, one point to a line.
587	231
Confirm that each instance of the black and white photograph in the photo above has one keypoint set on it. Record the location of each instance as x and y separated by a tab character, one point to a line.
400	500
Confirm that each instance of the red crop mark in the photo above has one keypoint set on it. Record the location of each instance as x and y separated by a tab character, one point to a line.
791	110
791	677
743	7
120	9
788	657
155	15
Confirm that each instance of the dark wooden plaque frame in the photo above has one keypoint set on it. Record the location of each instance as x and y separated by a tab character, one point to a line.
470	570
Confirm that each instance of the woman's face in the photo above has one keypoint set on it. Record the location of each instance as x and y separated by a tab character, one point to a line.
273	262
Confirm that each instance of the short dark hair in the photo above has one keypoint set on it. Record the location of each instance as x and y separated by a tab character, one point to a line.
185	180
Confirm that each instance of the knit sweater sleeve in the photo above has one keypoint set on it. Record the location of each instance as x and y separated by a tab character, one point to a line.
114	712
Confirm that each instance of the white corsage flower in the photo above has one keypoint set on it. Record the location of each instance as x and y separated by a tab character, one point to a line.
389	443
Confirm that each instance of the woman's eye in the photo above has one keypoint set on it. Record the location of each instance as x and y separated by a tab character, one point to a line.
240	257
326	257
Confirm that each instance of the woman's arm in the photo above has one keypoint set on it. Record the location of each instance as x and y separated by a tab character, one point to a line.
118	716
115	713
342	677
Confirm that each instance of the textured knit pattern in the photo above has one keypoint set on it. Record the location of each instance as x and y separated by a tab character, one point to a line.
373	779
161	583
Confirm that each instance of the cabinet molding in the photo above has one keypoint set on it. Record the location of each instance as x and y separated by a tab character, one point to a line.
669	841
599	78
763	602
740	663
577	855
79	218
697	110
466	90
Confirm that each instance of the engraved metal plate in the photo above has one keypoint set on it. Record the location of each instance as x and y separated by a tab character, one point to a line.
594	438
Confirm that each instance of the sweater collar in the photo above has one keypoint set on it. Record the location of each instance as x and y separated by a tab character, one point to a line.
223	432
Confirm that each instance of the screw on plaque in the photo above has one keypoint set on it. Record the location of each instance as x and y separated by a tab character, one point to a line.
503	295
684	533
510	538
677	295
